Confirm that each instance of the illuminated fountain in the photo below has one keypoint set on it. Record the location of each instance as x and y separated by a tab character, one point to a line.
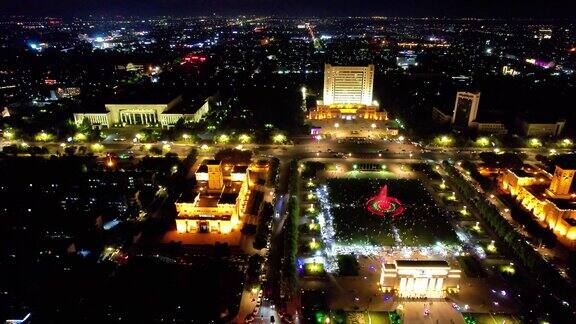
383	205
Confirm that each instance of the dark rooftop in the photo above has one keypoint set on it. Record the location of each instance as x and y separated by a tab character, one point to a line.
422	263
521	173
228	198
239	169
563	203
203	168
538	190
211	162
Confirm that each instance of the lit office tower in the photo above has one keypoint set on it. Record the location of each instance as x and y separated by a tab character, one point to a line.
465	108
348	84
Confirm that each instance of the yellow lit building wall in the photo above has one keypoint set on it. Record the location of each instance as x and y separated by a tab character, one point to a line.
546	212
191	215
561	181
215	177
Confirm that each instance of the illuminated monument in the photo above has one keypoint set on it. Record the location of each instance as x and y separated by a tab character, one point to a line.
383	205
347	108
219	202
549	199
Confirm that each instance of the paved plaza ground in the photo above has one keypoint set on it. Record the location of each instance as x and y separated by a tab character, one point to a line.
439	313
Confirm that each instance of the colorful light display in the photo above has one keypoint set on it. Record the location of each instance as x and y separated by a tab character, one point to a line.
383	205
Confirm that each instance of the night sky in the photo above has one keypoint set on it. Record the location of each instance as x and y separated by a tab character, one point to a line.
414	8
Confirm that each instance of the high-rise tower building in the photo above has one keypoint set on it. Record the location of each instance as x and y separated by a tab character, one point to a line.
348	84
465	108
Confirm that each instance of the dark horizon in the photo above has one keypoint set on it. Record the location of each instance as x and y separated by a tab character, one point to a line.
297	8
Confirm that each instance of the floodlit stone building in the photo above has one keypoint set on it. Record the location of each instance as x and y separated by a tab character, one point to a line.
219	202
548	198
419	278
162	112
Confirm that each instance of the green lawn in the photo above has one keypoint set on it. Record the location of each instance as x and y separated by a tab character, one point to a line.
422	223
493	318
472	267
377	318
365	318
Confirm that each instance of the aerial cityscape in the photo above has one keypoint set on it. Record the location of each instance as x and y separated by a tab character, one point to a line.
271	162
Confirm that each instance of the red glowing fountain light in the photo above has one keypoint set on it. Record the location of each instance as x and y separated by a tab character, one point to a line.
382	205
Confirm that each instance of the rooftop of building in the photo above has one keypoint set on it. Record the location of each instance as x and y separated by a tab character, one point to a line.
530	172
521	173
422	263
150	95
538	190
239	169
228	198
203	168
565	204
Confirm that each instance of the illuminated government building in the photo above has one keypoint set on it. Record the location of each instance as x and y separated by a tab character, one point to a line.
347	108
164	112
222	198
419	278
548	198
348	84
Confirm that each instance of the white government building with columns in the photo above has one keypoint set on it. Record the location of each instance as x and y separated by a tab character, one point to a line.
419	278
141	114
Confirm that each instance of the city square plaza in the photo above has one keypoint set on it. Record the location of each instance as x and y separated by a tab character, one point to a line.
395	274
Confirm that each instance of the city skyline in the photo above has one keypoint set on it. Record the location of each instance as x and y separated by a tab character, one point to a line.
321	8
278	169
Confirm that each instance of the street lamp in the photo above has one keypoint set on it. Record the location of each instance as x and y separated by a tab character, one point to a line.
43	136
97	147
566	142
244	138
279	138
79	137
223	139
483	141
535	142
9	135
